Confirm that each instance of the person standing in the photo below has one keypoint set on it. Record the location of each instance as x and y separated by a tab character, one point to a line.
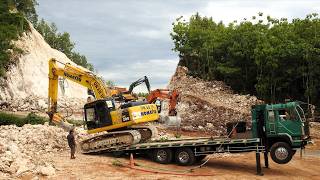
72	143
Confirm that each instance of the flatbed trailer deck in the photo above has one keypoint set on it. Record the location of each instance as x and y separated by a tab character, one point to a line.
222	144
189	150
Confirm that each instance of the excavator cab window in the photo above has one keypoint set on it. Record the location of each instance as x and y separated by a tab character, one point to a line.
97	113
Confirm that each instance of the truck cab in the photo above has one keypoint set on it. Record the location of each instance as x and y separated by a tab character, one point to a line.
282	128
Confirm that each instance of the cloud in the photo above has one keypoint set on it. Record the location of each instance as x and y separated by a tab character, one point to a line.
228	11
158	71
127	39
150	33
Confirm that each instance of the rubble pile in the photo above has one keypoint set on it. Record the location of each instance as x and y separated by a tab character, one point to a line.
34	103
29	149
209	105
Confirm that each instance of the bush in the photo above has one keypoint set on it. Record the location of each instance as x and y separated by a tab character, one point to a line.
75	122
8	119
31	118
11	27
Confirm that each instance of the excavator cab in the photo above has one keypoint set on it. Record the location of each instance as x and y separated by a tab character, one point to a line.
97	113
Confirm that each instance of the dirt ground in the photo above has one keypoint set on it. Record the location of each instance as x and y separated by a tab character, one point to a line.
238	166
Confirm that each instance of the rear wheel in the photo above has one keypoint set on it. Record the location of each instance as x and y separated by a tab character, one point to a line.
185	156
281	152
163	156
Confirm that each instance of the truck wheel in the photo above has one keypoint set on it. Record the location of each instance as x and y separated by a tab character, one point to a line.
163	156
281	152
185	156
200	158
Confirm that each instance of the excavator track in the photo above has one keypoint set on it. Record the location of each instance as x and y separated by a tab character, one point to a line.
110	140
146	132
114	140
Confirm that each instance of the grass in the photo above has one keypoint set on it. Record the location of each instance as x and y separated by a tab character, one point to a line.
75	122
11	119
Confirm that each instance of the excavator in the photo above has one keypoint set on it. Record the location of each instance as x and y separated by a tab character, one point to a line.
127	95
157	96
160	94
109	127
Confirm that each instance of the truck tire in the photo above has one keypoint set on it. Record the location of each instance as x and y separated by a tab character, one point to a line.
281	152
185	156
200	158
163	156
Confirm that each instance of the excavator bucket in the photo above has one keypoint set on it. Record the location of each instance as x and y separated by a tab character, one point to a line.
58	120
170	121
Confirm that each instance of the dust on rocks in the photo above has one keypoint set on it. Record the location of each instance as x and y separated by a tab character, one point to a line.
30	148
209	105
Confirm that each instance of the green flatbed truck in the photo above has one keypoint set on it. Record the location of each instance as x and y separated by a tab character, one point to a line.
278	129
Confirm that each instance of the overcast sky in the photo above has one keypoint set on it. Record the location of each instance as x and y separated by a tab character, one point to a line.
127	39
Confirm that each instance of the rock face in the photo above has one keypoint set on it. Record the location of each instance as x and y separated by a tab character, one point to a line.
28	80
30	149
209	105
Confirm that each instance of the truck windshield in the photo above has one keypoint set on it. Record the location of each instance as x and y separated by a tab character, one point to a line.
301	113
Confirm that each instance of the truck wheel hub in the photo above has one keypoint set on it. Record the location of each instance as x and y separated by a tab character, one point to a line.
281	153
183	157
162	155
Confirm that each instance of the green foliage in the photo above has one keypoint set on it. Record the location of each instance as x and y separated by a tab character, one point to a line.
13	15
142	94
61	42
26	7
8	119
31	118
271	58
11	26
75	122
177	135
110	83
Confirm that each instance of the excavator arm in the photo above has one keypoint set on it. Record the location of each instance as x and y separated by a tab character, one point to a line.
75	74
127	95
165	94
138	82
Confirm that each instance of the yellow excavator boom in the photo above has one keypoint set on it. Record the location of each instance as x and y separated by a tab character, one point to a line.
75	74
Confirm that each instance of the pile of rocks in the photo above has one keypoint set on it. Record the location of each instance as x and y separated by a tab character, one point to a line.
29	149
34	103
31	103
209	105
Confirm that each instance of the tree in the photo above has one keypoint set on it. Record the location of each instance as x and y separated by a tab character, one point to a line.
272	58
61	42
26	7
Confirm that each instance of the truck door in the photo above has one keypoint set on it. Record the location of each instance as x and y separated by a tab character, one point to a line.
288	122
271	125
